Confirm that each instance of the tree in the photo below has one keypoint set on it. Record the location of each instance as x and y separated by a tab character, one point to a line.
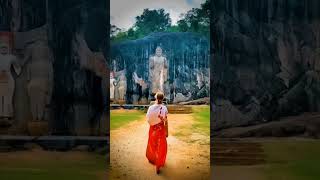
114	30
196	19
152	21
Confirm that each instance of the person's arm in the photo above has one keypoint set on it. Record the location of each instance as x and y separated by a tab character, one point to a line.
147	115
166	115
166	122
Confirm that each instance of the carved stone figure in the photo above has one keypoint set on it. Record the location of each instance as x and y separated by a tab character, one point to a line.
40	77
141	91
114	66
144	92
166	90
93	61
112	86
158	71
199	79
7	82
122	86
87	60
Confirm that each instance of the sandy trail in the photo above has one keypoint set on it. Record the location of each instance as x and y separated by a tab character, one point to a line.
188	156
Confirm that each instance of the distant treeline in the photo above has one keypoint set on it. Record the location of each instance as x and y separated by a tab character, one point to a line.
195	20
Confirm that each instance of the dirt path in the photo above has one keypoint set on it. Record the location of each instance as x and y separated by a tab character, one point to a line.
188	155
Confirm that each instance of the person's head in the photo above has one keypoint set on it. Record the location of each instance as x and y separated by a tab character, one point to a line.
159	51
159	97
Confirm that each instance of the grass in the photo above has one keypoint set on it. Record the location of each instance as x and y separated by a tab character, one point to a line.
292	160
119	118
201	115
52	166
201	124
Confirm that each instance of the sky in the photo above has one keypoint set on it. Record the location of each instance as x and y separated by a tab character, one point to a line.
123	12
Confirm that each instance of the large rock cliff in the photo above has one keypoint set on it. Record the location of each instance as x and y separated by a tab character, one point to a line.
266	60
188	61
72	38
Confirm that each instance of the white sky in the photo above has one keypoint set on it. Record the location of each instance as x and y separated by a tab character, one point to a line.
123	12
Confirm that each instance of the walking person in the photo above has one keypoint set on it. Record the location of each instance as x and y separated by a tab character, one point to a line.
158	132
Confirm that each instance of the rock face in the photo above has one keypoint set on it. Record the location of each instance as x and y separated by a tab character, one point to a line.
66	64
188	64
266	60
305	125
26	21
79	97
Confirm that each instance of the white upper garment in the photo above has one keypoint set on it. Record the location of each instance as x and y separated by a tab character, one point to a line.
154	111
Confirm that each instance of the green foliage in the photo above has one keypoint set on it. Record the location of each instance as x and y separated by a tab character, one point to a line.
152	21
173	29
149	21
196	20
114	30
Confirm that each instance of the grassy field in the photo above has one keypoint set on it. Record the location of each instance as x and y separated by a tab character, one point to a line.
202	117
42	165
292	160
286	159
122	117
200	124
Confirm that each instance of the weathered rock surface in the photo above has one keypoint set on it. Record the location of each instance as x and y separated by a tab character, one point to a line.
197	101
306	125
79	95
188	63
79	99
266	58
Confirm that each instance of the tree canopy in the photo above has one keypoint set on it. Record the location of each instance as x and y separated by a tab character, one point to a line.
195	20
152	21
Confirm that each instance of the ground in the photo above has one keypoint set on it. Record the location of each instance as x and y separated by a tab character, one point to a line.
283	159
188	148
38	165
188	155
